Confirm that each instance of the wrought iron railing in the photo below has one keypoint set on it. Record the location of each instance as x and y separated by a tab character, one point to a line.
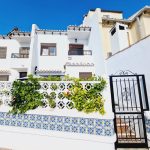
79	52
19	55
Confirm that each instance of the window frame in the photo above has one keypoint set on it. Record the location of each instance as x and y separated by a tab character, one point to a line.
3	47
7	76
48	46
82	75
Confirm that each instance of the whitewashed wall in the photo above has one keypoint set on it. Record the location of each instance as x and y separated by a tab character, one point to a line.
119	40
13	65
14	134
136	59
95	41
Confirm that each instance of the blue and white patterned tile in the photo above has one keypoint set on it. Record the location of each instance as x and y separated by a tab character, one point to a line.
2	122
83	121
67	120
99	131
38	125
45	118
32	117
74	129
60	120
25	117
53	119
52	127
19	123
67	128
82	130
26	124
45	126
90	130
13	123
99	122
31	124
59	128
74	121
108	132
8	116
102	127
39	118
91	122
2	115
20	117
7	122
14	117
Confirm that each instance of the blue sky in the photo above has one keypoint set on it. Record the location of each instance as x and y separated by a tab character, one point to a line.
57	14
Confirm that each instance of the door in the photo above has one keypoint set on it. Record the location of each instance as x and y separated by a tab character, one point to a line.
129	101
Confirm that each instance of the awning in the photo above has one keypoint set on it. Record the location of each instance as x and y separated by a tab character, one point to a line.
50	72
4	72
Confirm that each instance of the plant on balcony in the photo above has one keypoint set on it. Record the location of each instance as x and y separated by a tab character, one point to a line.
87	100
50	78
25	95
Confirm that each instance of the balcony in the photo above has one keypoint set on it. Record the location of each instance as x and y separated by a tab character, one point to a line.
79	52
78	32
19	61
19	55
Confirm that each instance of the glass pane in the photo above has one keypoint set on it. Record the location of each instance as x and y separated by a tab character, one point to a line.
4	77
52	51
44	52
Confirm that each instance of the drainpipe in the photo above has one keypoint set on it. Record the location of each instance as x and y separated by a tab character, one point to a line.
139	28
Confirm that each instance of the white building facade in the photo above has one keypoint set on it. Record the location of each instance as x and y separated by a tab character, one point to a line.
48	52
103	44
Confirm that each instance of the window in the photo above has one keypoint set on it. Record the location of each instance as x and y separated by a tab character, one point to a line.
24	52
121	27
52	51
4	77
85	75
22	74
48	49
75	49
113	31
3	51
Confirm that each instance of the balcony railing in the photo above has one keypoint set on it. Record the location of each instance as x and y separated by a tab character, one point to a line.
19	55
79	52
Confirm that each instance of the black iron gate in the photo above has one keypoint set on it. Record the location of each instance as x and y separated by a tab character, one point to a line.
129	101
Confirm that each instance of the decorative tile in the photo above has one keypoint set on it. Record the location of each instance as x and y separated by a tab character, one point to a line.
59	128
82	130
67	120
52	127
101	127
75	121
45	118
74	129
90	130
99	131
25	124
67	128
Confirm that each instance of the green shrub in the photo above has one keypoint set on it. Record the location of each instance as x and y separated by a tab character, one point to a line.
25	95
90	100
